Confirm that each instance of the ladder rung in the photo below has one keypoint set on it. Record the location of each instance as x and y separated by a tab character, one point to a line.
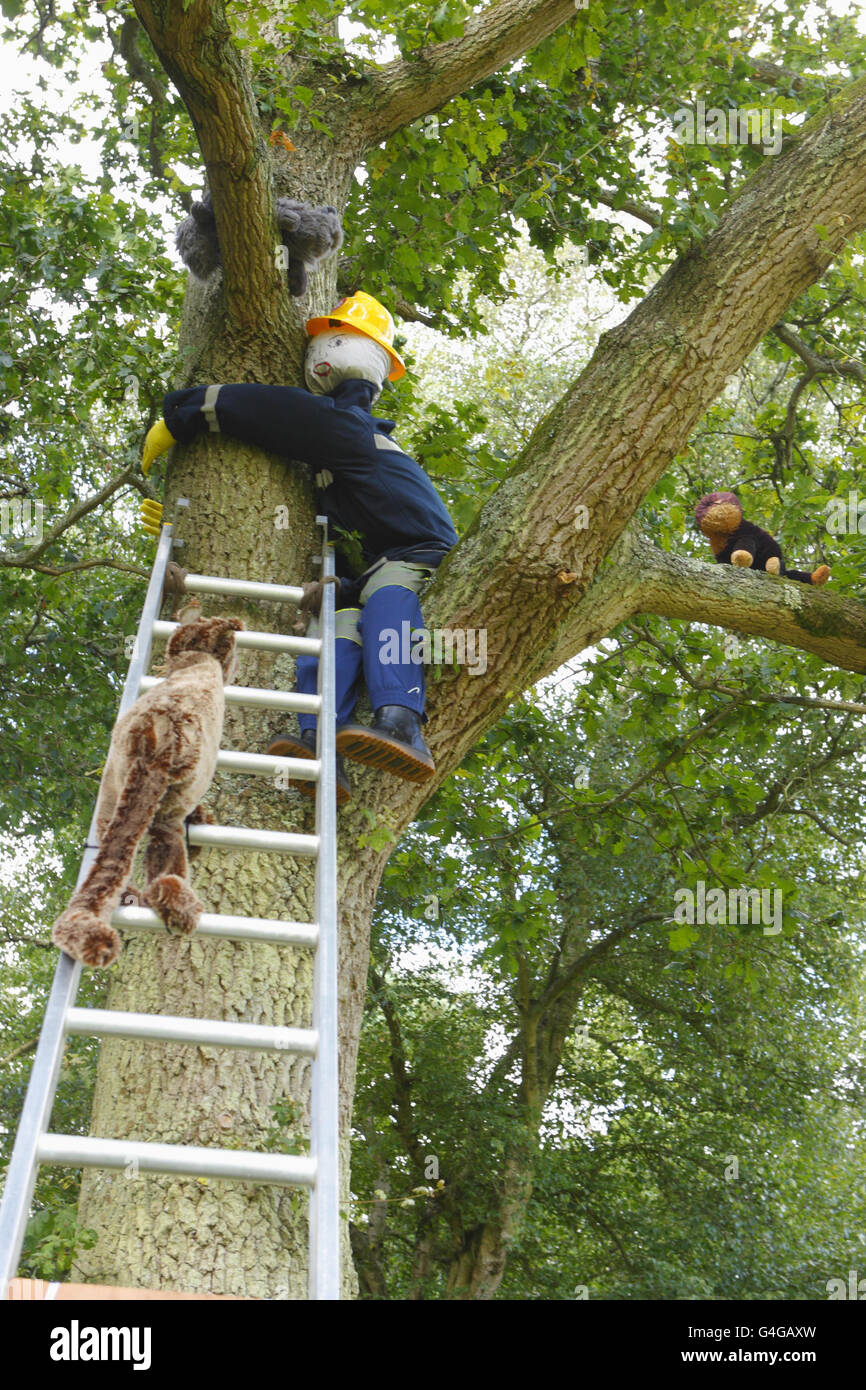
240	837
80	1151
289	700
242	588
232	928
208	1032
266	765
260	641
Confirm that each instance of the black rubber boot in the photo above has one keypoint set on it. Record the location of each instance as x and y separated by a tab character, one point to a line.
291	746
392	742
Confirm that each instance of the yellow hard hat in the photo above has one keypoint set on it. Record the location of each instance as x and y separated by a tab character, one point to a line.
361	313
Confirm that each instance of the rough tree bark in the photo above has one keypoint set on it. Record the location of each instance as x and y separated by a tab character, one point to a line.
524	572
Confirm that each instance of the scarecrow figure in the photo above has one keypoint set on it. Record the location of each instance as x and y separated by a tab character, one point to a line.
366	486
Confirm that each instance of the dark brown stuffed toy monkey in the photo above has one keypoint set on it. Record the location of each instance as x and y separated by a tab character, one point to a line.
160	763
736	541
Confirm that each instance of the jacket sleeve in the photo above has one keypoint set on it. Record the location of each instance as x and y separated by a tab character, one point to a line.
280	419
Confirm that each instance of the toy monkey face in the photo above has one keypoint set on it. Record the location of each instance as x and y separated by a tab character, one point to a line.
212	636
719	513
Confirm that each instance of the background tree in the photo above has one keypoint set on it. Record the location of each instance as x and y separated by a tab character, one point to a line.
571	129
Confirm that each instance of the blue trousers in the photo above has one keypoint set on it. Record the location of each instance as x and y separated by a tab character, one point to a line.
376	640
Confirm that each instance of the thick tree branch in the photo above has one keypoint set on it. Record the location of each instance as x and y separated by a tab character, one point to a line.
195	47
586	962
125	43
774	75
797	615
641	211
399	1070
408	88
410	313
55	570
767	74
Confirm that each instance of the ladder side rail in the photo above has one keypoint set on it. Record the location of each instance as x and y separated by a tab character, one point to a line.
36	1112
143	643
42	1086
324	1269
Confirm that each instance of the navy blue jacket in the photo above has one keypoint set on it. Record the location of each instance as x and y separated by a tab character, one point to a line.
364	481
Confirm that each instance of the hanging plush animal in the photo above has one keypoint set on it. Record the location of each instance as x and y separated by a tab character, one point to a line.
160	763
736	541
309	234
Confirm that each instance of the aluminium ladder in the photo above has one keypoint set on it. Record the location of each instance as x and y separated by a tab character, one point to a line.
318	1171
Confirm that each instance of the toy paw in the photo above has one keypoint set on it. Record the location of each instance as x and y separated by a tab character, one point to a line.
151	516
772	565
741	558
821	575
85	937
175	902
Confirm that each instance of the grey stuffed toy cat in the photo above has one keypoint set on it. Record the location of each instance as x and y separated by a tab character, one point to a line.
308	234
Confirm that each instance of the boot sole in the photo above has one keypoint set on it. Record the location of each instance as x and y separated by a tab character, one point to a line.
375	749
293	748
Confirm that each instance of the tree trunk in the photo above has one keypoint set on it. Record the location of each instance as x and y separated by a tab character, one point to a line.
476	1273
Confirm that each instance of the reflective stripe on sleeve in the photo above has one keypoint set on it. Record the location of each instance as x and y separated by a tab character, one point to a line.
208	409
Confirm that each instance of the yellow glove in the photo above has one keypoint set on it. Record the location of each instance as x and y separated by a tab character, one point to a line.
151	516
158	440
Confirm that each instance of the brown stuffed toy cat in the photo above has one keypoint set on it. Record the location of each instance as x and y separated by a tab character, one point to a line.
161	761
